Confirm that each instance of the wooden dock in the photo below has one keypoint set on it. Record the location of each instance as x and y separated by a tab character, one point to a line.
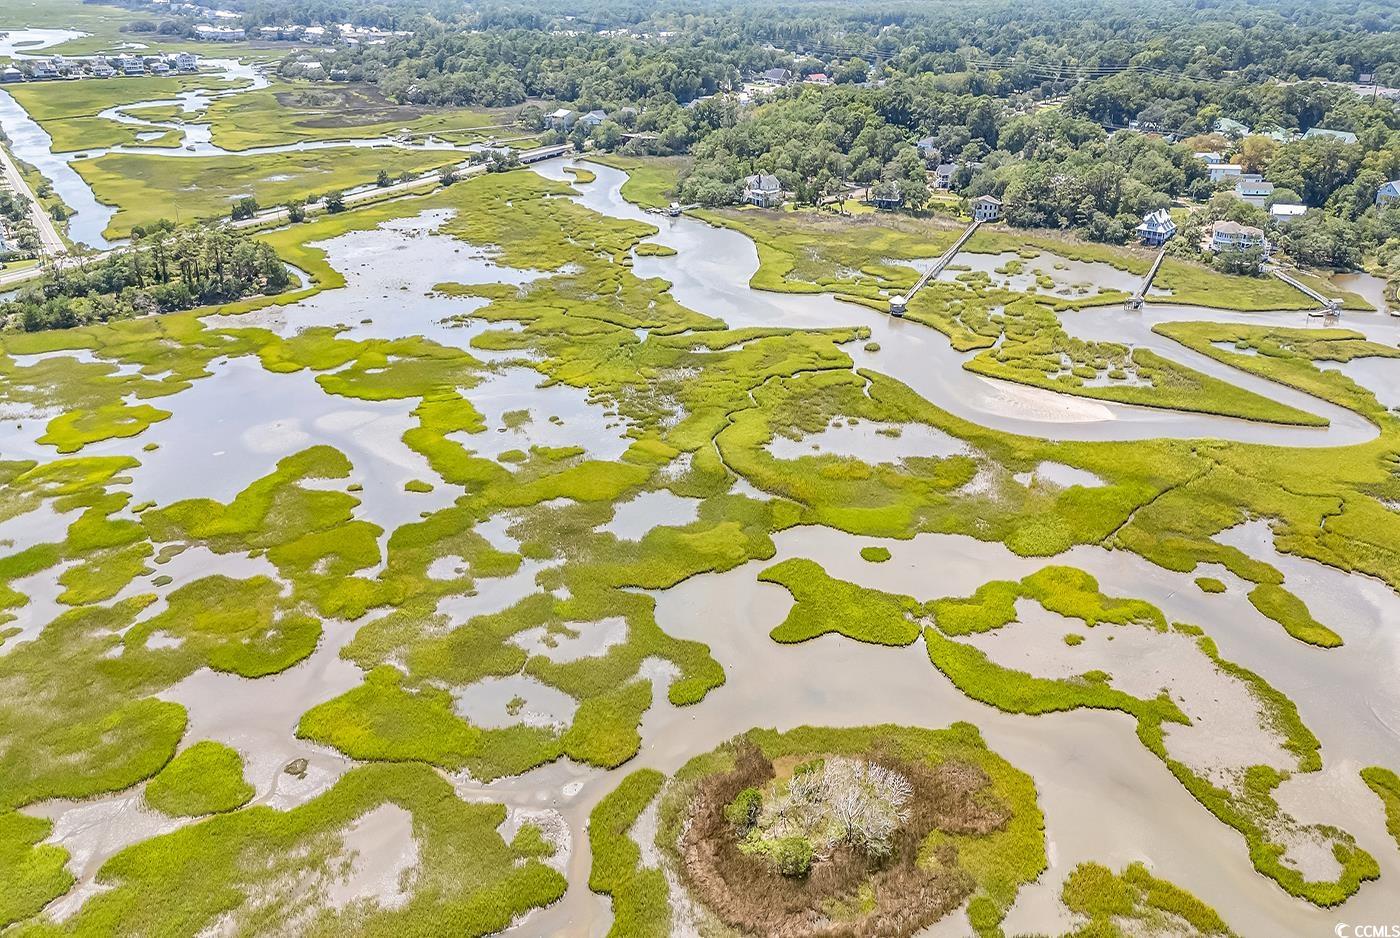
1328	306
1138	298
899	303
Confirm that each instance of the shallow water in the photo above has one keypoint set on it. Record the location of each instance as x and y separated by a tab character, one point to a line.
711	271
872	443
1058	475
633	519
497	702
1105	797
1071	278
1380	376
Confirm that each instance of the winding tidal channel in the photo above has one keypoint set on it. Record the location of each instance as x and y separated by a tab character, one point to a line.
1105	798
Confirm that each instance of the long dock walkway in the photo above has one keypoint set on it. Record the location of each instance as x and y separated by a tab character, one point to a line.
899	303
1330	306
1137	299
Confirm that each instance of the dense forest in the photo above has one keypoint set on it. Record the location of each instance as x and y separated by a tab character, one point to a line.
499	55
164	268
1078	114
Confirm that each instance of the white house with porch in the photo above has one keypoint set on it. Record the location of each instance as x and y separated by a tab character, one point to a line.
1156	227
763	190
986	208
1232	236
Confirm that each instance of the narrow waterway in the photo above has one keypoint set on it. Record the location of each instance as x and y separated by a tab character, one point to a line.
711	269
1105	797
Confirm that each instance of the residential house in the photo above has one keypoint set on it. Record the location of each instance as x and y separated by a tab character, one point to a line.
187	61
1388	193
943	175
1231	128
627	114
763	190
986	208
160	68
1275	133
928	150
1284	212
817	78
1232	236
1208	157
1156	227
778	76
220	33
103	70
42	71
592	119
562	120
1345	136
1254	191
11	73
133	67
1219	171
886	196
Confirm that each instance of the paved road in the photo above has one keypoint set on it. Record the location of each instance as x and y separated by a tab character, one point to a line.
424	182
48	234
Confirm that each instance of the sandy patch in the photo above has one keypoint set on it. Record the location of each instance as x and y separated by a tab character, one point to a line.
1226	734
551	825
92	831
382	854
590	639
1039	404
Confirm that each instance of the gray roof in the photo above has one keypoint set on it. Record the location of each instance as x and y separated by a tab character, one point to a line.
1235	228
763	182
1345	136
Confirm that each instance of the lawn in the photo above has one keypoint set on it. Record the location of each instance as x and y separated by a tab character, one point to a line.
147	188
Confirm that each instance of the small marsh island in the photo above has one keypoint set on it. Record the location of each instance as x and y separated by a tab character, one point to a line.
698	469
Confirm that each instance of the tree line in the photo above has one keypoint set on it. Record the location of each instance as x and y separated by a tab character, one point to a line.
163	269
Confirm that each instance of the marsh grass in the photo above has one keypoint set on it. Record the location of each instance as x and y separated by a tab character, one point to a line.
206	778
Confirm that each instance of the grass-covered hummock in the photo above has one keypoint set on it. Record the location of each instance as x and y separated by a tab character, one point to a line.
206	778
823	604
1134	902
34	874
651	180
990	856
1210	584
639	895
253	869
1386	785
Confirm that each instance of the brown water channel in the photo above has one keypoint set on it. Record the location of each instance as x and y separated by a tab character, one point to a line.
712	266
1105	797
